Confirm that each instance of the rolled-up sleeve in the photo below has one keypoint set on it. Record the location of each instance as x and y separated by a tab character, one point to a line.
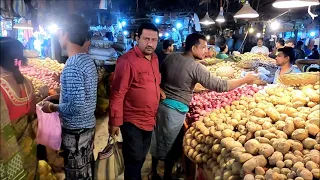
208	80
73	91
122	79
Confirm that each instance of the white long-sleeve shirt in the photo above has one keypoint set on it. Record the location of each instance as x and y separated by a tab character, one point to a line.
262	49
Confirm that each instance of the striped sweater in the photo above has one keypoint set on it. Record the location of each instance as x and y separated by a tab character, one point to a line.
78	92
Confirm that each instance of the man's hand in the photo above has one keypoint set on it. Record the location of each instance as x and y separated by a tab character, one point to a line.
114	130
48	107
250	77
162	95
54	97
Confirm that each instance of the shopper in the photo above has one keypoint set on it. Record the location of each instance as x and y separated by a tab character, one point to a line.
135	97
223	52
180	73
18	148
167	48
260	48
315	53
299	53
77	100
279	44
285	60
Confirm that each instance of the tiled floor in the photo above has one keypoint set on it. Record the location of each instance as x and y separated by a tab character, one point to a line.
101	139
100	142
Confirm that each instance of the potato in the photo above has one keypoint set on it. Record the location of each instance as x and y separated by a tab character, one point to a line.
285	171
316	173
296	145
311	165
289	111
315	108
292	175
281	145
270	135
227	133
299	134
288	163
194	143
199	158
235	168
297	165
216	148
289	127
299	123
259	177
306	174
248	177
190	152
263	140
259	113
243	157
315	121
276	156
280	164
250	165
314	114
273	114
309	143
252	146
266	150
298	104
312	129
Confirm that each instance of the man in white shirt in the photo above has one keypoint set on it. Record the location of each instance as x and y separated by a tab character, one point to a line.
260	48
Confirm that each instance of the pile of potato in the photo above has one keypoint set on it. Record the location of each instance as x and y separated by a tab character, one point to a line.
251	56
225	70
272	135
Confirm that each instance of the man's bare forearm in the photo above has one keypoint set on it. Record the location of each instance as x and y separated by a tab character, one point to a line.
232	84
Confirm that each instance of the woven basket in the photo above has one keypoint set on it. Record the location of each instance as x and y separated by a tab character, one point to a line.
298	79
248	64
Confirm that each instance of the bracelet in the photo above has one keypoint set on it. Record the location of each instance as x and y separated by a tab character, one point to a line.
50	108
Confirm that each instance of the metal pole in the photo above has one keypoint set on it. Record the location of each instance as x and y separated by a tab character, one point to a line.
53	53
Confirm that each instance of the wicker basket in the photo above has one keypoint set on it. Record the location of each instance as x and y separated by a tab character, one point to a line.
248	64
298	79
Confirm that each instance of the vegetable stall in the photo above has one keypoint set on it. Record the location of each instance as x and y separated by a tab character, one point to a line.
256	132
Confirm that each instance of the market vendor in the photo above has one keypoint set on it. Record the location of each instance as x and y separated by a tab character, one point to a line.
260	48
223	52
285	60
180	73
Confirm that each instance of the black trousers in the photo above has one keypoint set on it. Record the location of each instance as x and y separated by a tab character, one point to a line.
136	144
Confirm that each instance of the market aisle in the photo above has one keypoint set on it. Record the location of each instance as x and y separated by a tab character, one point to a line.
100	142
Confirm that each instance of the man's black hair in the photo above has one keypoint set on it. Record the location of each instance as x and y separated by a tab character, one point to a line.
222	47
281	42
76	27
290	41
148	26
299	43
192	40
167	43
288	51
260	39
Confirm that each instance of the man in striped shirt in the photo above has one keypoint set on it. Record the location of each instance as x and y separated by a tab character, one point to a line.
77	100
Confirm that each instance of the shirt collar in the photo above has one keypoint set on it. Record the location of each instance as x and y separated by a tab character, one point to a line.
289	70
141	55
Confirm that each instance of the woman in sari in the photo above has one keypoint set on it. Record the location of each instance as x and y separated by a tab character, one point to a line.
18	148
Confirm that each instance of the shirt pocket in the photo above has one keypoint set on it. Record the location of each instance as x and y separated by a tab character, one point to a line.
146	77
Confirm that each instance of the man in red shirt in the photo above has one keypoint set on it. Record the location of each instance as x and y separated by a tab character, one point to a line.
135	97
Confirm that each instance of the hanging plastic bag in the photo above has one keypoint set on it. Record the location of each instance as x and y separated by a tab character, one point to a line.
49	129
109	164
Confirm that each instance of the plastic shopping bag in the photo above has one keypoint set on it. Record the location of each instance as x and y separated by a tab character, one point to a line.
109	164
49	129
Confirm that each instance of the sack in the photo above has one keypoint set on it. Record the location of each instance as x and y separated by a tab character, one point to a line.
109	164
49	129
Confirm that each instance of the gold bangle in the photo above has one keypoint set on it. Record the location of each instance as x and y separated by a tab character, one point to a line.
50	108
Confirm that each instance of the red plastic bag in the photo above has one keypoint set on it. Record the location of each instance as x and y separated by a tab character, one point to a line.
49	129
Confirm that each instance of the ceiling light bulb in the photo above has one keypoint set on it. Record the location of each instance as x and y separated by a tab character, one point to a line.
207	20
246	12
275	25
220	18
294	3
